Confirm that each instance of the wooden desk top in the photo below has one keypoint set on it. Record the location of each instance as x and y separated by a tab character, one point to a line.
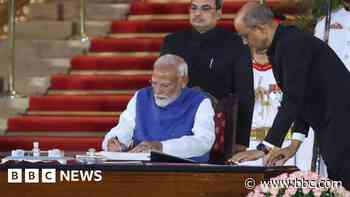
137	179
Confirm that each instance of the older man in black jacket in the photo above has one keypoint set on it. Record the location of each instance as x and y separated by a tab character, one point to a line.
315	85
218	61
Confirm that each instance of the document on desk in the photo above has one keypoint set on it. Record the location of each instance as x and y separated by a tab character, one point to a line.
123	156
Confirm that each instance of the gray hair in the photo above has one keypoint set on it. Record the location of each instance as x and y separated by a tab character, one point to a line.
258	15
174	60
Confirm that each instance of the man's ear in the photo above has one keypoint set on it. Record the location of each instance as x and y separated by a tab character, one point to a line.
184	81
218	14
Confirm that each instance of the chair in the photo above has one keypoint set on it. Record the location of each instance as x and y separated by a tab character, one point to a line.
225	119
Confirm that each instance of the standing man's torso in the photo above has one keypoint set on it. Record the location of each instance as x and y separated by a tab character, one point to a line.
210	56
326	80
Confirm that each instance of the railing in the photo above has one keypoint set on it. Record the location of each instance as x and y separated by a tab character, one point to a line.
83	36
9	10
8	14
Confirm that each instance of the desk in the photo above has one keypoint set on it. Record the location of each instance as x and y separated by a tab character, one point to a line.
143	179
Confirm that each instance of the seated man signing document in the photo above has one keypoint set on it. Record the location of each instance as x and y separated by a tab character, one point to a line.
166	117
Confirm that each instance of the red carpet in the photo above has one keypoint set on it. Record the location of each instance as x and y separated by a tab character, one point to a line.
55	105
125	45
98	82
78	103
142	8
159	26
8	143
61	123
84	62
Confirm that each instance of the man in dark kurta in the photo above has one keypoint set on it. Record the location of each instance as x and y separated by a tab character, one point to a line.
315	85
218	61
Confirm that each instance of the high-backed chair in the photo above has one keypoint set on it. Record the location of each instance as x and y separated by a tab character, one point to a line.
225	129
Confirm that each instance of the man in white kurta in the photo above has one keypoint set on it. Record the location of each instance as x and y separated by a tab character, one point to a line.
167	116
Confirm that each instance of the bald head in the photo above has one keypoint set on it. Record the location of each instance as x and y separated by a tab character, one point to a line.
254	23
253	14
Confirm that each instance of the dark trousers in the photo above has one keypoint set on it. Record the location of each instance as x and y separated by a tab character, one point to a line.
335	149
341	173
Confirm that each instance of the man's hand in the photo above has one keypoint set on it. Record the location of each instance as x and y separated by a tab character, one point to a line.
146	147
240	148
278	157
249	155
115	146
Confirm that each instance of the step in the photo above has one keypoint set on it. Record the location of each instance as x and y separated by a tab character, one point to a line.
112	82
93	28
57	63
111	72
286	17
73	113
11	107
37	48
45	30
138	35
51	48
39	56
33	76
71	11
62	103
8	143
85	62
124	54
94	1
229	7
90	92
58	133
60	124
27	85
170	16
97	28
125	45
59	30
159	26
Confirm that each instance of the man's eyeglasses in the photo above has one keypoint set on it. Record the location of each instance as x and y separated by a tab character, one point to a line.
205	8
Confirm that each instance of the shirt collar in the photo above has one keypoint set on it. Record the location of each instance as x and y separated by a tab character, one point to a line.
204	36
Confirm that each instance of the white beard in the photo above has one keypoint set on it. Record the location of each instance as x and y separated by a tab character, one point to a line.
163	102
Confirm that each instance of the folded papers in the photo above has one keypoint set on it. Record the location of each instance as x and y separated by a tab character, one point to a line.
123	156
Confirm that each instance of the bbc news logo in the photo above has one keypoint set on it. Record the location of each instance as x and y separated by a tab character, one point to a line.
32	175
